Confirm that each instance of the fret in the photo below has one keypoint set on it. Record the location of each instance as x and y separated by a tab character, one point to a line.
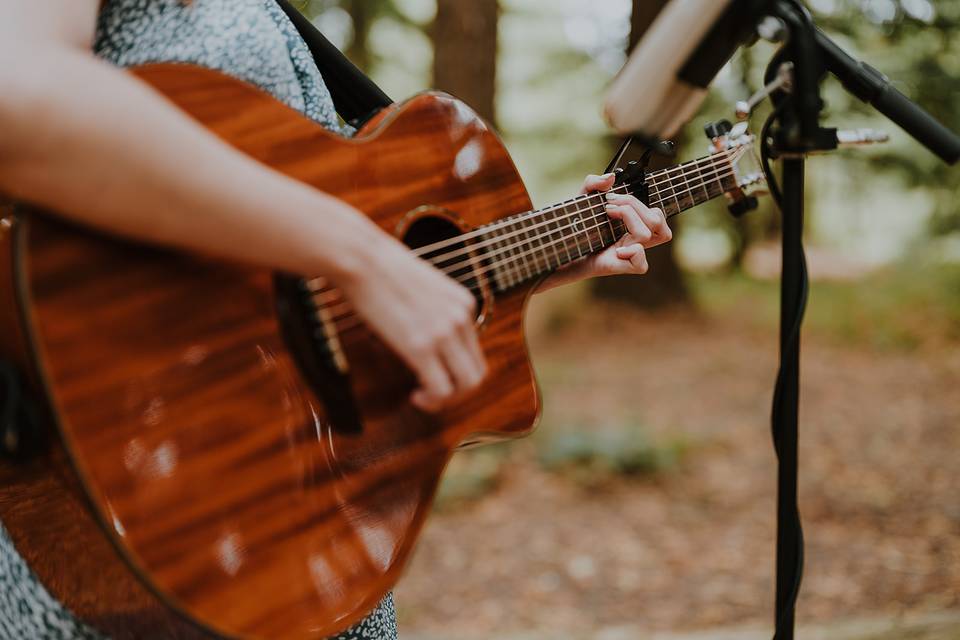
715	172
522	250
550	226
561	225
728	181
587	217
613	232
703	183
656	199
537	249
656	182
605	231
717	177
547	250
586	226
515	252
707	173
503	257
558	221
688	192
489	241
723	174
673	189
529	244
528	253
575	229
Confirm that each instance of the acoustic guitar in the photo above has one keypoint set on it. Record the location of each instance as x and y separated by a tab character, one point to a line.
230	451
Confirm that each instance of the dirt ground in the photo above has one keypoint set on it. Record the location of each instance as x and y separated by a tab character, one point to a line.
691	547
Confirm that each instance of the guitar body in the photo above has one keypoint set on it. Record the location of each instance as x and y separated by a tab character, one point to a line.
209	471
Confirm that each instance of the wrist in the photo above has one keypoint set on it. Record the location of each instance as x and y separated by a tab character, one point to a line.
356	251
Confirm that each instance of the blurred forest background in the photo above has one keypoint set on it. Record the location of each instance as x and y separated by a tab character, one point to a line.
644	503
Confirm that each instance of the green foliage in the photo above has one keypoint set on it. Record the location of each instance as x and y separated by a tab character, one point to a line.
593	457
923	60
906	306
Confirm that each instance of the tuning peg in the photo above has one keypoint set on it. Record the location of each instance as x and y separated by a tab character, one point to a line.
742	206
717	129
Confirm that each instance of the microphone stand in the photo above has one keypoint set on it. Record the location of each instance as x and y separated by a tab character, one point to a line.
793	132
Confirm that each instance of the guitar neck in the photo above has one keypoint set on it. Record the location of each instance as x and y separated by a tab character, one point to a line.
528	245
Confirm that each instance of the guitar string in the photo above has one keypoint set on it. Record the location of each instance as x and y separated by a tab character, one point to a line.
529	240
717	174
519	217
714	166
598	215
524	234
347	311
354	321
522	270
527	214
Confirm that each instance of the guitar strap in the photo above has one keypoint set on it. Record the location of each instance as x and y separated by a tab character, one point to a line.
356	97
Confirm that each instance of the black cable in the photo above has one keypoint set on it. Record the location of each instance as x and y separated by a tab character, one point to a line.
765	156
784	614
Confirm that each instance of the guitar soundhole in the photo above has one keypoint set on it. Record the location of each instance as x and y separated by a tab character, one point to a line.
462	260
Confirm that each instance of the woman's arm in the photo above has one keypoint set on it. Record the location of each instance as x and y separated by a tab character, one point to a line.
94	144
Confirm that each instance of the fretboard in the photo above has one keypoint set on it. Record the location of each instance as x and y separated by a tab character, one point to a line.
530	244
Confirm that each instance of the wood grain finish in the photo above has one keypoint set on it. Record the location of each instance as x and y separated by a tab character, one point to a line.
204	451
47	513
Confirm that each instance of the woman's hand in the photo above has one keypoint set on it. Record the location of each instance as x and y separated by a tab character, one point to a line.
646	228
427	318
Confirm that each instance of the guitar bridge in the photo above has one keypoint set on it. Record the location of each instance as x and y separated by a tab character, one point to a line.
325	300
311	315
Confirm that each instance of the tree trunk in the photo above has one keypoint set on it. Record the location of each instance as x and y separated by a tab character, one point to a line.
363	13
664	284
465	52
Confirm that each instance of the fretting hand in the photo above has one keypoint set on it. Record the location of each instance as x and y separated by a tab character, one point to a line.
646	228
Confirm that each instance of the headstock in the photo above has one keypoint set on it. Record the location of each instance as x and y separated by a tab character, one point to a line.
739	145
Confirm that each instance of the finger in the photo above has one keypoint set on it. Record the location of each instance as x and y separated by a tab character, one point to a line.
628	251
597	183
653	218
656	221
435	385
462	364
475	350
635	256
631	219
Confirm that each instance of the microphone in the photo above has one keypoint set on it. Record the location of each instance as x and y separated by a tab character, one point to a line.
667	76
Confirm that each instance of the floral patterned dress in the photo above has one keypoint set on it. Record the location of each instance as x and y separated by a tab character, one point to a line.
252	40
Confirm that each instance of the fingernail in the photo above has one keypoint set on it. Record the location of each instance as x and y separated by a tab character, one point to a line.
611	196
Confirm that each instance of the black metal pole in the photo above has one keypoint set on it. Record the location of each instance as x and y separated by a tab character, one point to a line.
784	415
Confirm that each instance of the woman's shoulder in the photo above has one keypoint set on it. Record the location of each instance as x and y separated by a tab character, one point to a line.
252	40
136	31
